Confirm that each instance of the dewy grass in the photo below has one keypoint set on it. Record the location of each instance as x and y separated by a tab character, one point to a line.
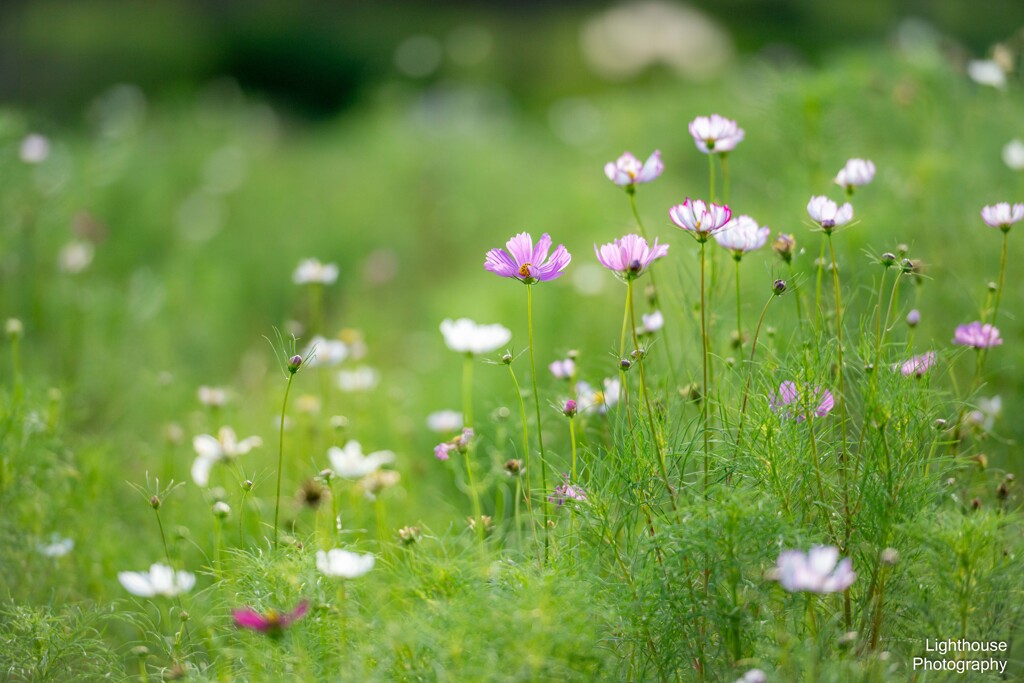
717	525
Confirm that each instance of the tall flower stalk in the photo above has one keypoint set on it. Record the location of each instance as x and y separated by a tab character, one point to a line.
293	367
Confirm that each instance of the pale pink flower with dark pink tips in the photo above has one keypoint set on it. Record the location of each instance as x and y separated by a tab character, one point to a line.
627	171
271	622
700	218
630	256
855	173
565	492
715	134
526	262
1002	215
917	365
977	335
791	395
742	234
459	444
828	214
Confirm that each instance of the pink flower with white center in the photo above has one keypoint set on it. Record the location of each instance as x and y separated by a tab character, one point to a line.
630	256
715	134
563	369
818	571
700	218
827	214
1002	215
917	365
790	394
628	172
742	234
271	622
977	335
526	262
855	173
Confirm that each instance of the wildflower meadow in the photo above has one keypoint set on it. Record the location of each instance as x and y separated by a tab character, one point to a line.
724	392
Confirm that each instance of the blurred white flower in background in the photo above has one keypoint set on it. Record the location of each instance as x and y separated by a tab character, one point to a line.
1013	154
323	352
212	397
75	257
362	378
621	42
210	450
160	580
56	546
35	149
343	564
350	463
466	336
986	72
312	271
444	421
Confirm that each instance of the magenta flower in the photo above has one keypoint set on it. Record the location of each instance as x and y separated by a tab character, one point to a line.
917	365
790	394
566	492
630	256
1002	215
527	263
699	218
827	214
855	173
977	335
272	622
628	172
715	134
742	234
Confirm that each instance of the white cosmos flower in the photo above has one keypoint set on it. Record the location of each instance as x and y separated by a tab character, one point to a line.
57	546
986	72
465	336
214	397
817	571
323	352
588	398
827	214
651	322
225	446
350	463
343	563
855	173
362	378
312	271
1013	154
742	234
75	256
444	421
159	580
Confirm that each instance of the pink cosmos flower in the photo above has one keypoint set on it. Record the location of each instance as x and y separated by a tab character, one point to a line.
1002	215
527	263
459	444
742	234
977	335
715	134
566	492
700	218
790	394
628	172
630	256
917	365
817	571
271	622
827	214
855	173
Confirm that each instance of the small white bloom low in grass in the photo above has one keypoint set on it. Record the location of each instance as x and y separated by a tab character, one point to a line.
350	463
311	271
343	564
323	352
444	421
56	546
465	336
160	580
817	571
362	378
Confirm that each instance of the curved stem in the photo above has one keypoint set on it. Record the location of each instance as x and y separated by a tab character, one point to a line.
280	454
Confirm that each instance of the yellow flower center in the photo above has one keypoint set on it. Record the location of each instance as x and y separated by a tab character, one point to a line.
524	269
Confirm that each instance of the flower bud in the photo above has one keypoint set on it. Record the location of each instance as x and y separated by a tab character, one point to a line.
887	259
155	502
940	423
247	485
902	249
638	354
573	354
14	328
625	364
784	245
907	265
778	287
339	423
409	535
221	509
506	358
293	363
513	467
570	408
976	504
913	318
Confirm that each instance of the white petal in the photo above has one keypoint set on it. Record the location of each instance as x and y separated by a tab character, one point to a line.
136	583
207	446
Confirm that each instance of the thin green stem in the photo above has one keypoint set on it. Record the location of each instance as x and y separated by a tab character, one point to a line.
750	365
526	444
280	455
654	284
536	401
704	363
739	324
725	177
467	414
